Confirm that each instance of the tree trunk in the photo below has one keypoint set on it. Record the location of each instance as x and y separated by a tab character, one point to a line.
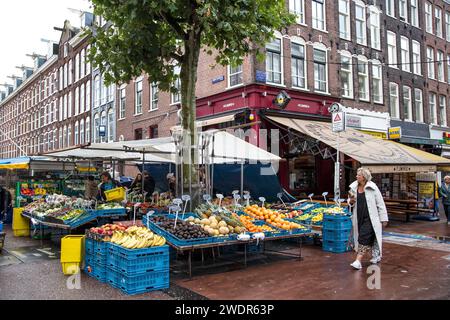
188	78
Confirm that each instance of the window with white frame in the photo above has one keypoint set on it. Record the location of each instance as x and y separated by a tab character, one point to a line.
96	128
377	82
394	103
175	97
432	106
88	130
274	65
77	101
414	13
111	122
361	28
428	17
346	75
344	19
404	45
403	10
407	104
70	73
122	103
76	134
97	91
443	110
82	131
60	140
447	26
82	63
320	70
66	75
448	68
60	82
104	91
69	104
69	135
298	65
87	61
430	63
392	49
235	76
65	136
154	96
390	8
438	21
88	95
82	99
416	56
297	7
363	79
375	30
440	66
318	14
77	67
138	103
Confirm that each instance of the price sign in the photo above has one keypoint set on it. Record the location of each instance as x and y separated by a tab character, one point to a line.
206	197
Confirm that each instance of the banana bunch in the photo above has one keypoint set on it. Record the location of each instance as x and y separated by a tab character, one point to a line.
318	218
137	238
304	217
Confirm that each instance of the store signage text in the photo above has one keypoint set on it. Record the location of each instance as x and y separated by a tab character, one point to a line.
218	79
304	106
261	76
229	105
395	133
353	121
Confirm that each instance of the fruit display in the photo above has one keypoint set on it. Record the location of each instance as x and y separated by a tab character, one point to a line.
206	211
317	218
215	226
108	229
304	217
272	217
184	230
137	238
109	206
250	226
73	214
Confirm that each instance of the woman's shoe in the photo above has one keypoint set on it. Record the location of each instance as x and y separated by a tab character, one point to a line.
357	265
375	260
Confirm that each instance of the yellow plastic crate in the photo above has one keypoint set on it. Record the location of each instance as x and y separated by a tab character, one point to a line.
72	249
116	194
70	268
21	225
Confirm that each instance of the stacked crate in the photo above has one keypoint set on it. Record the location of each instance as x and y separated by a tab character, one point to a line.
337	233
96	258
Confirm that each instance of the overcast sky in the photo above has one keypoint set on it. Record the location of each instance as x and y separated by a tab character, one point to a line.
23	23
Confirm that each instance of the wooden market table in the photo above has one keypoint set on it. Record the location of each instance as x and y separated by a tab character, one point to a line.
191	248
405	207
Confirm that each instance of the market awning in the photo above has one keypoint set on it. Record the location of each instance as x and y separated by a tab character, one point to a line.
209	122
380	156
15	164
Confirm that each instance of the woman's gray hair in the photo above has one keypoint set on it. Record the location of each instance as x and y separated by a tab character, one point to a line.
446	177
365	173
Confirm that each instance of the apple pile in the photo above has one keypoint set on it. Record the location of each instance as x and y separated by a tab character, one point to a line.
108	229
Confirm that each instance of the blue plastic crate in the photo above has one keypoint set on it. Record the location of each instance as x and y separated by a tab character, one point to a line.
101	247
336	246
1	226
147	282
89	245
133	254
155	259
111	212
96	271
336	235
337	222
101	259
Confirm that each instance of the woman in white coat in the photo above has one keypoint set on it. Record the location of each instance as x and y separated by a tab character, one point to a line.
369	217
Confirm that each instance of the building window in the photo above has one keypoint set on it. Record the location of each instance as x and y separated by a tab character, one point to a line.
447	26
69	105
392	49
88	96
404	44
138	134
344	19
438	21
448	68
298	65
96	91
346	75
274	62
77	67
430	63
76	133
428	17
394	105
122	103
88	130
82	63
154	94
234	76
175	97
403	10
390	8
96	128
416	55
361	28
440	66
443	110
87	61
415	13
318	14
432	106
377	82
82	132
103	122
77	101
375	30
320	70
363	80
104	92
69	135
111	122
298	8
153	132
82	99
65	137
407	104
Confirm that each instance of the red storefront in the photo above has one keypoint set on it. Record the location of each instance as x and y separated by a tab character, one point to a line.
251	105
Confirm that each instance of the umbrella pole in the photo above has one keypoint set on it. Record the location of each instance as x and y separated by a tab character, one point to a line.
242	179
142	175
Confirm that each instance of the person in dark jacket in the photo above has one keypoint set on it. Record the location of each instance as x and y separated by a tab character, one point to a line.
5	203
107	184
444	192
136	186
149	185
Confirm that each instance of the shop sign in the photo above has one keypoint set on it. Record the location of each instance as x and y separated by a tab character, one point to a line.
380	135
229	105
353	121
395	133
102	131
218	79
425	194
338	121
428	176
401	169
261	76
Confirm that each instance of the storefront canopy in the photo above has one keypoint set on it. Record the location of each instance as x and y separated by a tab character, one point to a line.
15	164
380	156
34	163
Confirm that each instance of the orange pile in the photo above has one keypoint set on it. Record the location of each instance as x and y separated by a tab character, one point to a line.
247	222
271	217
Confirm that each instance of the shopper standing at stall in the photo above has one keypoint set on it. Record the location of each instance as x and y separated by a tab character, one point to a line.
369	217
5	204
107	184
149	185
444	191
136	185
171	182
91	188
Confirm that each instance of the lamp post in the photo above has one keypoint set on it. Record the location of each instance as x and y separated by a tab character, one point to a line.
338	125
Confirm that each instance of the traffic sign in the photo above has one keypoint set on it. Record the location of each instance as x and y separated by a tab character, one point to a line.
338	121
